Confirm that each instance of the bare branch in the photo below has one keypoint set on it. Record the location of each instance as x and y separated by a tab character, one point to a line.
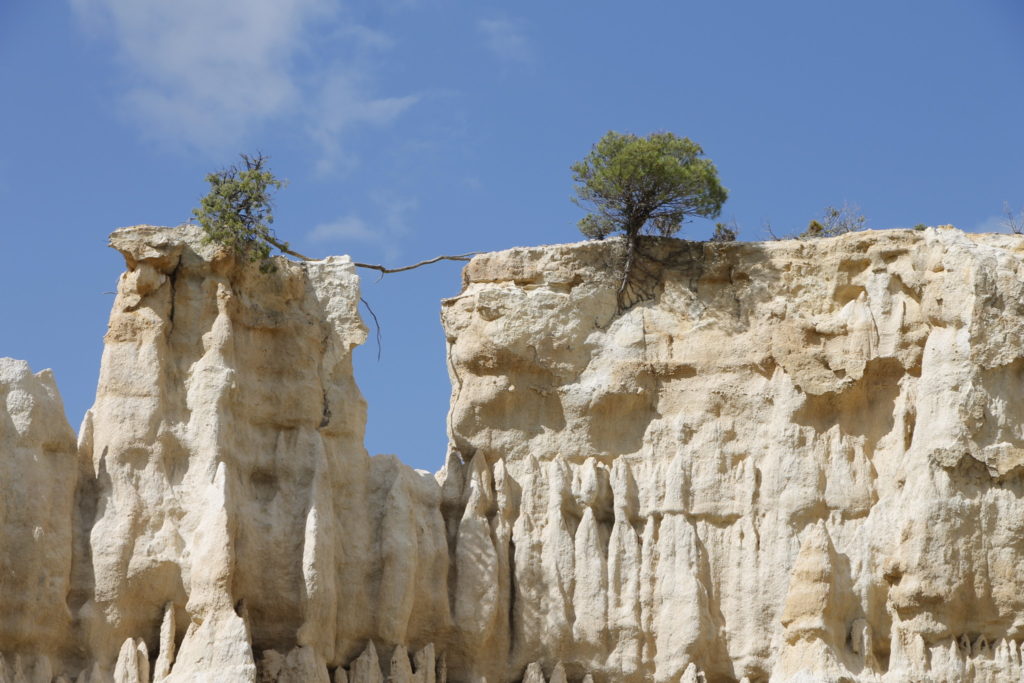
1014	222
383	270
376	323
283	248
767	226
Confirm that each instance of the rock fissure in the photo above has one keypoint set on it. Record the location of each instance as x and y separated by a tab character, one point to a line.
171	280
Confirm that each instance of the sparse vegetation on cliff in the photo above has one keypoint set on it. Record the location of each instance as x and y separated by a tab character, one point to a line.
1013	222
836	221
238	212
633	184
725	232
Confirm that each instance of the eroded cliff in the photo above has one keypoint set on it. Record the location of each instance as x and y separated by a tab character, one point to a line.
797	461
802	456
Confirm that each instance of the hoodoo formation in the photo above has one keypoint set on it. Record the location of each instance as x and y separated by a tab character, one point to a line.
799	461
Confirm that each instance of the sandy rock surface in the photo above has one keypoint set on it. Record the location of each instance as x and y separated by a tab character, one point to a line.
38	476
791	461
798	460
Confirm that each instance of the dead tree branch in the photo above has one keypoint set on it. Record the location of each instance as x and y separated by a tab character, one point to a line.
384	271
376	323
285	249
1013	222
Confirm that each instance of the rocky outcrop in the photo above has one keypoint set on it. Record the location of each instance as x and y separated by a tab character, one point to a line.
38	475
794	461
798	460
240	528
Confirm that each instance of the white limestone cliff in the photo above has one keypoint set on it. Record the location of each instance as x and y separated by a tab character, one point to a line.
38	475
235	497
797	461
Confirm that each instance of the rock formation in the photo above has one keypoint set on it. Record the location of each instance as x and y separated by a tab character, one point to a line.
38	474
798	461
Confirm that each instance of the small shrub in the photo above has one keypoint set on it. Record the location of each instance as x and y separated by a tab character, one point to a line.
237	212
1013	222
836	221
725	232
814	229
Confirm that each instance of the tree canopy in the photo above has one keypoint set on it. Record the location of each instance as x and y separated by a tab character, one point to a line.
237	212
630	183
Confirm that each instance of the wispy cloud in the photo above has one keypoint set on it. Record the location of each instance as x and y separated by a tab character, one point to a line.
1002	222
347	228
990	224
207	74
385	235
367	38
506	39
342	104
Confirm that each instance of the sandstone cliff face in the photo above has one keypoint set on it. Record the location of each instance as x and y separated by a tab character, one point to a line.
238	518
797	461
38	473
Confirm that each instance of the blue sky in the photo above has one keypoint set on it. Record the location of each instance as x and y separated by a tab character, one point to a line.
411	128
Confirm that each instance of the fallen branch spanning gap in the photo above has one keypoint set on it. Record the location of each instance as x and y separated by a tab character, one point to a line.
384	271
285	249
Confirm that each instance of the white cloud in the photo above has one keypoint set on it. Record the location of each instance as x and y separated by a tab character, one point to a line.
342	104
203	71
347	228
1000	223
506	39
367	37
990	224
386	235
208	73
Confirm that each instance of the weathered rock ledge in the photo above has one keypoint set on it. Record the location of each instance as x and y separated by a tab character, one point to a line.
797	461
